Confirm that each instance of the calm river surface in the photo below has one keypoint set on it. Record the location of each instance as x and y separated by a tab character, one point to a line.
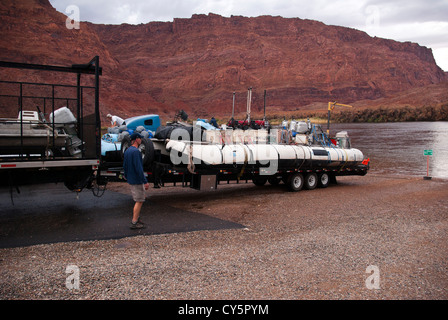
397	147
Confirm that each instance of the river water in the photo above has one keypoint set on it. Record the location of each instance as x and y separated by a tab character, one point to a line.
396	148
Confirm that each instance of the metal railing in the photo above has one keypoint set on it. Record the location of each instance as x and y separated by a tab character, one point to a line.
48	96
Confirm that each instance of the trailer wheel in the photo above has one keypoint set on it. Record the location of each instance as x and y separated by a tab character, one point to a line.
324	180
259	181
295	182
76	182
311	181
146	148
274	180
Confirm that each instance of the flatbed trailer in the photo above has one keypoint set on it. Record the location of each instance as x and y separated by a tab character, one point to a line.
308	172
209	179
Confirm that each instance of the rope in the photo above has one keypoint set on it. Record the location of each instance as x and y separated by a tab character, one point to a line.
244	166
346	160
49	129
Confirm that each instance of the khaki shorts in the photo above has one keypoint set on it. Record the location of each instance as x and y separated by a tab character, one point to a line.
138	192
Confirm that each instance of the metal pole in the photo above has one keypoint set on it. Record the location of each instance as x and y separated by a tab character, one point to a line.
247	104
249	98
78	94
97	106
52	110
328	119
233	105
264	106
81	123
21	121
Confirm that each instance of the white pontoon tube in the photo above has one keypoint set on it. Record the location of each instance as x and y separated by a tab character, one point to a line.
236	154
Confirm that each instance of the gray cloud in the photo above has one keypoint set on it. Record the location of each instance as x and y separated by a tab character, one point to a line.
421	21
405	11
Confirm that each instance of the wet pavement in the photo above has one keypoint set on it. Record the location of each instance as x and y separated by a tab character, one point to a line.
50	213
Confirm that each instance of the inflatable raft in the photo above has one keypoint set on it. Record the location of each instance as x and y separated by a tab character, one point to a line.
261	154
260	148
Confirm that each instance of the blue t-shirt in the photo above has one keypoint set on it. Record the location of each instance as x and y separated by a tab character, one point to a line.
133	166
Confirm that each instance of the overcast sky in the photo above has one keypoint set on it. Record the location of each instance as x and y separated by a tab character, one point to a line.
421	21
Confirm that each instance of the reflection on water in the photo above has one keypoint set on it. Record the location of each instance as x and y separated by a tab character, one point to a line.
397	148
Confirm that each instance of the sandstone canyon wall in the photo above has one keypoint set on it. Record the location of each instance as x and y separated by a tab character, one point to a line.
196	64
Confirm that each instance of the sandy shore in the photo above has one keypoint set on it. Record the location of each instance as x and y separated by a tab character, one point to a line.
306	245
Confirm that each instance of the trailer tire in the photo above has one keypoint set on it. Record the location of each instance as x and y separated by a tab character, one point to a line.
295	182
311	181
324	180
146	148
259	181
76	182
274	180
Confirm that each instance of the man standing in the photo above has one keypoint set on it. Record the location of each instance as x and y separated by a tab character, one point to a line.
133	172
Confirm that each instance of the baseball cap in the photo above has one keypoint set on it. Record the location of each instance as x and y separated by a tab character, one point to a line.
135	135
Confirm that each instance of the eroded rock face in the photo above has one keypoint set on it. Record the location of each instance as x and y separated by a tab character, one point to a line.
196	64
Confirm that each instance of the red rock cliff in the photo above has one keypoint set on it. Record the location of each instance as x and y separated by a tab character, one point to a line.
197	63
